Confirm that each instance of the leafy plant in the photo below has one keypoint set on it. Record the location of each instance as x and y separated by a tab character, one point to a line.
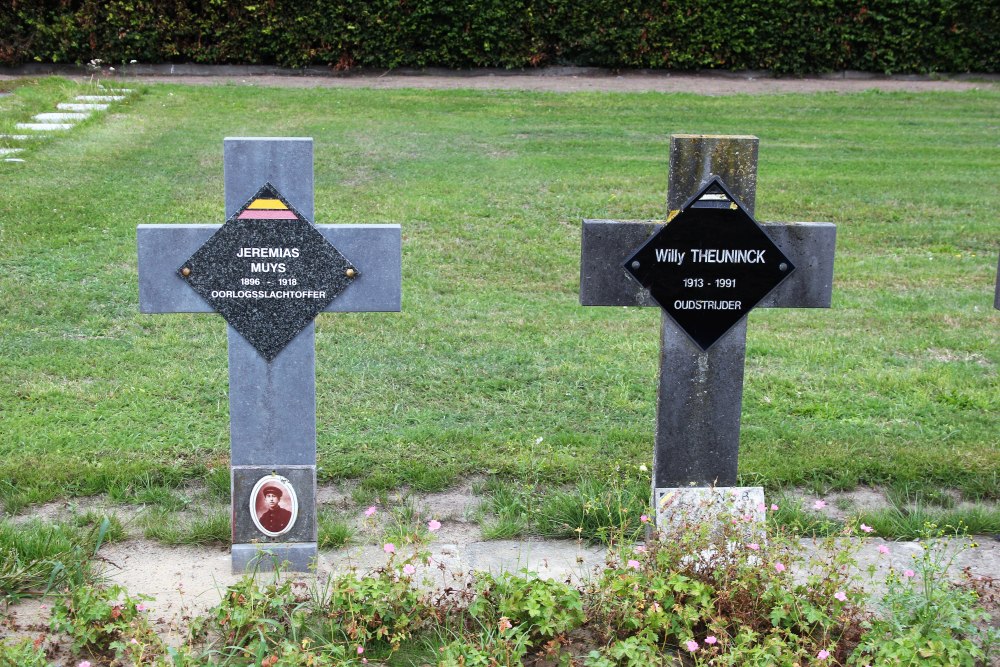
107	621
36	558
22	653
542	609
926	619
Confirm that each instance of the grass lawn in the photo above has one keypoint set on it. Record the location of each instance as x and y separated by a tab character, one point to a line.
493	367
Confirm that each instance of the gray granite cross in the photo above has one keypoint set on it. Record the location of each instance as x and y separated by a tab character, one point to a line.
701	392
272	403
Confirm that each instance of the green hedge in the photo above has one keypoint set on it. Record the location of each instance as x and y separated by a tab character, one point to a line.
793	36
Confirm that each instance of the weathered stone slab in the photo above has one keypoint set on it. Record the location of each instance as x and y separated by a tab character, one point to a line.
43	127
59	117
99	98
741	506
69	106
10	151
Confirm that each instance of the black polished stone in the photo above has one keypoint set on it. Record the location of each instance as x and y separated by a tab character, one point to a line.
268	299
710	265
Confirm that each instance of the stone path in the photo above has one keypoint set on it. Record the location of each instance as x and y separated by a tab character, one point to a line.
67	116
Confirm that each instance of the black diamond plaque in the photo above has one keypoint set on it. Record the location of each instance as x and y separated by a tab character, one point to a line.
710	265
268	271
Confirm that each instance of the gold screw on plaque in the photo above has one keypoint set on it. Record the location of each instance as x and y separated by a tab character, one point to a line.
185	272
350	273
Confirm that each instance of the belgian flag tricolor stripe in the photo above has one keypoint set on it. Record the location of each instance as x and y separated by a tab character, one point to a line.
266	209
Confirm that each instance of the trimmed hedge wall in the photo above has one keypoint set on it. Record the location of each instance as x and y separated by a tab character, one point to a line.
793	36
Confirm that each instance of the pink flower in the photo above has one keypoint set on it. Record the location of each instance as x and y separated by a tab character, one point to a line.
761	507
882	549
819	504
140	607
640	549
692	645
644	518
710	640
371	510
774	508
780	567
504	624
841	595
634	564
867	529
133	641
433	525
84	663
753	546
361	649
389	548
823	655
909	574
409	569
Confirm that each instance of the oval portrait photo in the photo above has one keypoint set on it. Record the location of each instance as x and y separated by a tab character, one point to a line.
273	505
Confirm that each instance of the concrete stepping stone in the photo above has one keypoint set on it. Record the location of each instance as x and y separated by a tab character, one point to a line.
13	159
20	137
10	151
59	117
43	127
99	98
69	106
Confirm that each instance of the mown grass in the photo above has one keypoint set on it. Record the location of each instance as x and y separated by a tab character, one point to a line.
897	384
38	557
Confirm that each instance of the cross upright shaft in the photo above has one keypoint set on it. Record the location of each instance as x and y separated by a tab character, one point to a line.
700	392
700	395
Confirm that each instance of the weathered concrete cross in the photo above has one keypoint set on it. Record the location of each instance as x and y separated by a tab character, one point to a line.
272	403
701	392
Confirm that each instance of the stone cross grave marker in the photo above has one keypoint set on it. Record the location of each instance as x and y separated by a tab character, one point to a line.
706	268
269	271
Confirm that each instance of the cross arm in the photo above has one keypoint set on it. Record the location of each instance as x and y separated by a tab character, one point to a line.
605	244
374	249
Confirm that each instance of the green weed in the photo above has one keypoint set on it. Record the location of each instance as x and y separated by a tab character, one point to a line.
334	530
38	558
212	527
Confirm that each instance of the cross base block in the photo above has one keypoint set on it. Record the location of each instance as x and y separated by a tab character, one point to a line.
289	557
740	506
